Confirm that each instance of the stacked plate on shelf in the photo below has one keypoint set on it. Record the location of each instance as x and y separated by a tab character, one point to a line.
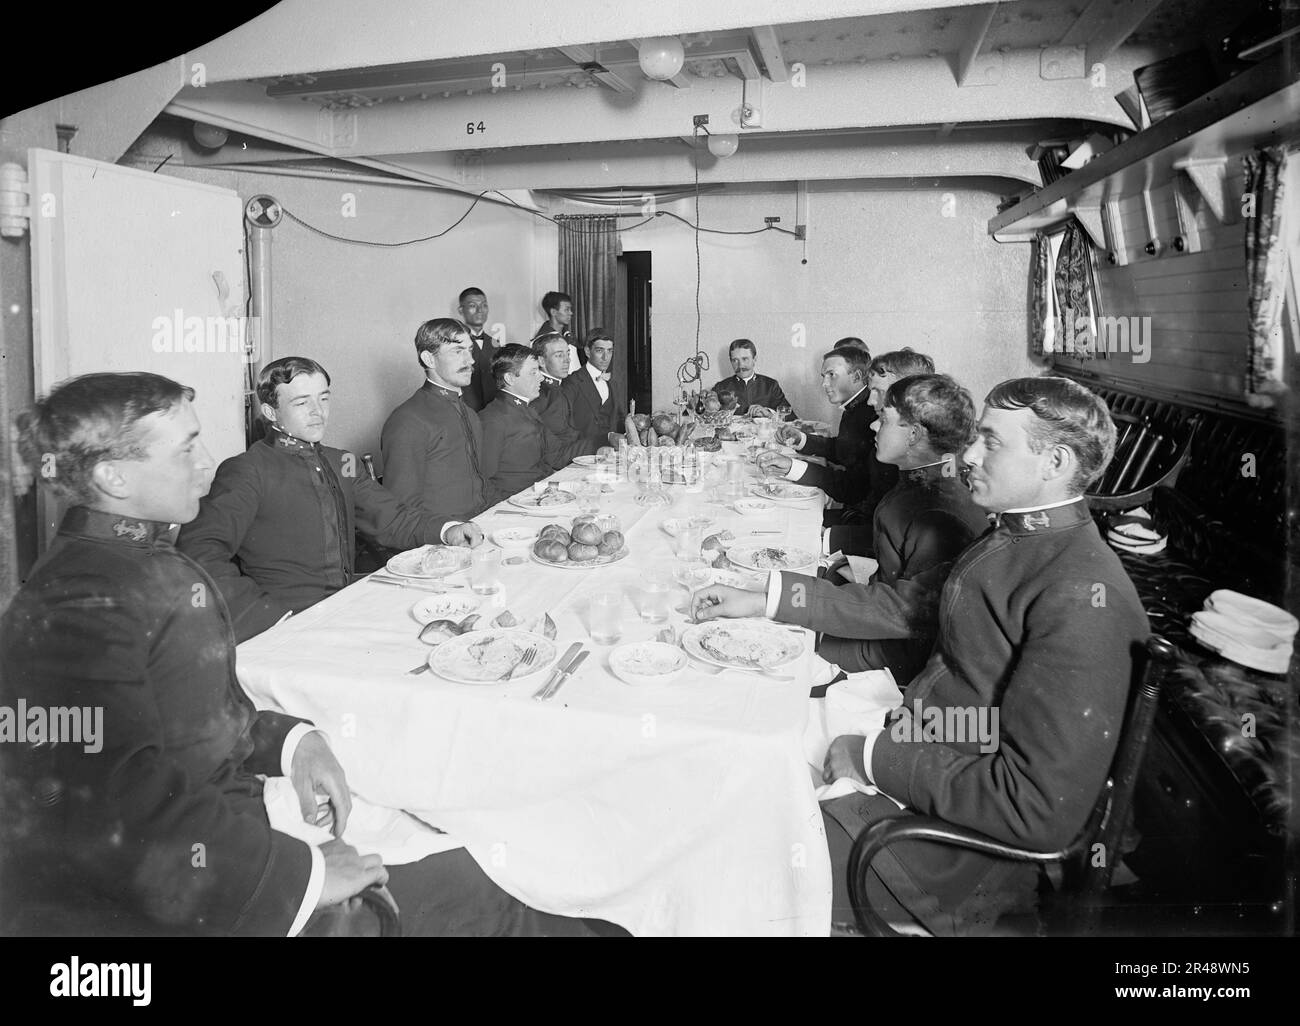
1135	532
1246	630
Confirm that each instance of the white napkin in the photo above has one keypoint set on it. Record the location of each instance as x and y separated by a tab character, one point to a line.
863	567
398	837
852	706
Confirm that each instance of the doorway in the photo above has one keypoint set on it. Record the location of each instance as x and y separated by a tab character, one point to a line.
632	312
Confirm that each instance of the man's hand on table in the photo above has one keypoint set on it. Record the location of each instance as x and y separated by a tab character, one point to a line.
348	873
844	759
774	464
316	771
719	601
466	535
788	434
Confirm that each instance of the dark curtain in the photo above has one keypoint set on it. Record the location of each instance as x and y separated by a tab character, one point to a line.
589	249
1074	290
1040	305
1265	273
11	468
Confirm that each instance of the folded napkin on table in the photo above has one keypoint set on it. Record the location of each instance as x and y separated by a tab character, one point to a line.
398	837
852	706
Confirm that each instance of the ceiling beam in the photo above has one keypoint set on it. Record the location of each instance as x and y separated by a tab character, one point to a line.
1105	24
978	22
748	66
769	49
305	36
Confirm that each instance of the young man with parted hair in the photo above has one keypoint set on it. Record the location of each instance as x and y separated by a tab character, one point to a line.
1039	623
558	307
551	404
277	529
748	386
481	389
924	522
518	448
594	410
432	444
163	830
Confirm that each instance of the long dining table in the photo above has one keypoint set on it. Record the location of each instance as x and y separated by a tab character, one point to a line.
677	809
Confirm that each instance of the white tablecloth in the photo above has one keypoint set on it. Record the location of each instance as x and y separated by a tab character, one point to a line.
682	809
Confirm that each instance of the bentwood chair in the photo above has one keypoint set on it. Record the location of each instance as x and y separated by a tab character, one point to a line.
1086	865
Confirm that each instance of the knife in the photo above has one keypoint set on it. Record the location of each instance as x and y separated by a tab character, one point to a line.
559	668
566	674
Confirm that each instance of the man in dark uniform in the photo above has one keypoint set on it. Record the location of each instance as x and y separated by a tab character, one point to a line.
594	410
551	404
481	389
518	449
432	444
277	529
853	476
1038	627
750	388
923	523
159	828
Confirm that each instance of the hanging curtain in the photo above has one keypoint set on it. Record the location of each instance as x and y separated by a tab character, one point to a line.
8	489
1074	291
589	249
1266	268
1041	307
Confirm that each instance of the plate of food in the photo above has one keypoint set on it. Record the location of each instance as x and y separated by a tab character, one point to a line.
745	644
772	557
485	657
443	607
752	507
783	491
429	561
586	461
647	662
673	525
515	537
586	545
549	498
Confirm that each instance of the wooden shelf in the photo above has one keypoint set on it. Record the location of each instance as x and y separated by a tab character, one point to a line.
1258	107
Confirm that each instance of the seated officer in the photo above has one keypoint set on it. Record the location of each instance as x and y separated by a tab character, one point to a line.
276	531
923	523
551	404
1038	624
749	387
159	828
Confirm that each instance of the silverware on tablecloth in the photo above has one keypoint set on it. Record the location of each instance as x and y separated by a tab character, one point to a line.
559	668
419	585
566	674
526	660
419	669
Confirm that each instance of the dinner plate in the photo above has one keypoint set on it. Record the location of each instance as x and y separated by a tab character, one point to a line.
750	507
695	577
569	564
528	501
444	560
746	644
484	657
772	557
586	461
673	525
443	607
647	662
515	537
784	492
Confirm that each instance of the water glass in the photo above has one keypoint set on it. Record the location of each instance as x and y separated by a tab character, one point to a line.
606	613
656	591
690	536
485	569
736	478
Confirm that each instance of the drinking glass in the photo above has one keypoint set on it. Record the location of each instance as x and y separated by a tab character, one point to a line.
690	536
485	569
656	590
736	478
606	617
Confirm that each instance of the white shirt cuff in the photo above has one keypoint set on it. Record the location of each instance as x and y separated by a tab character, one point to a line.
442	535
867	745
797	467
315	884
773	594
291	742
826	542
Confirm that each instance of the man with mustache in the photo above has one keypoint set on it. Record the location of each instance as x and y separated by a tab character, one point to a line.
1039	623
277	529
432	444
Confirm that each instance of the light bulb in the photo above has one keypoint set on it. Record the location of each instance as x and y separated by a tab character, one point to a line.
723	145
210	136
661	57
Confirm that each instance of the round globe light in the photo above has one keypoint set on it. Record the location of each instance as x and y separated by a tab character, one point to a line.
661	57
723	145
210	137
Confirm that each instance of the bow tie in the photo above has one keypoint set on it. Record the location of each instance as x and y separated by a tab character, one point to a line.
605	376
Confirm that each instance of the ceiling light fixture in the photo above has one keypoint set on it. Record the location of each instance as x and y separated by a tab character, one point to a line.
661	57
723	145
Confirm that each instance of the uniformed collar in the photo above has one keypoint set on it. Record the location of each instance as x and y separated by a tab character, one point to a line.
1054	517
746	381
286	442
117	527
442	390
548	380
518	400
929	472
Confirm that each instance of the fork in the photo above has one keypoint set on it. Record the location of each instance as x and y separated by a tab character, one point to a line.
525	661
